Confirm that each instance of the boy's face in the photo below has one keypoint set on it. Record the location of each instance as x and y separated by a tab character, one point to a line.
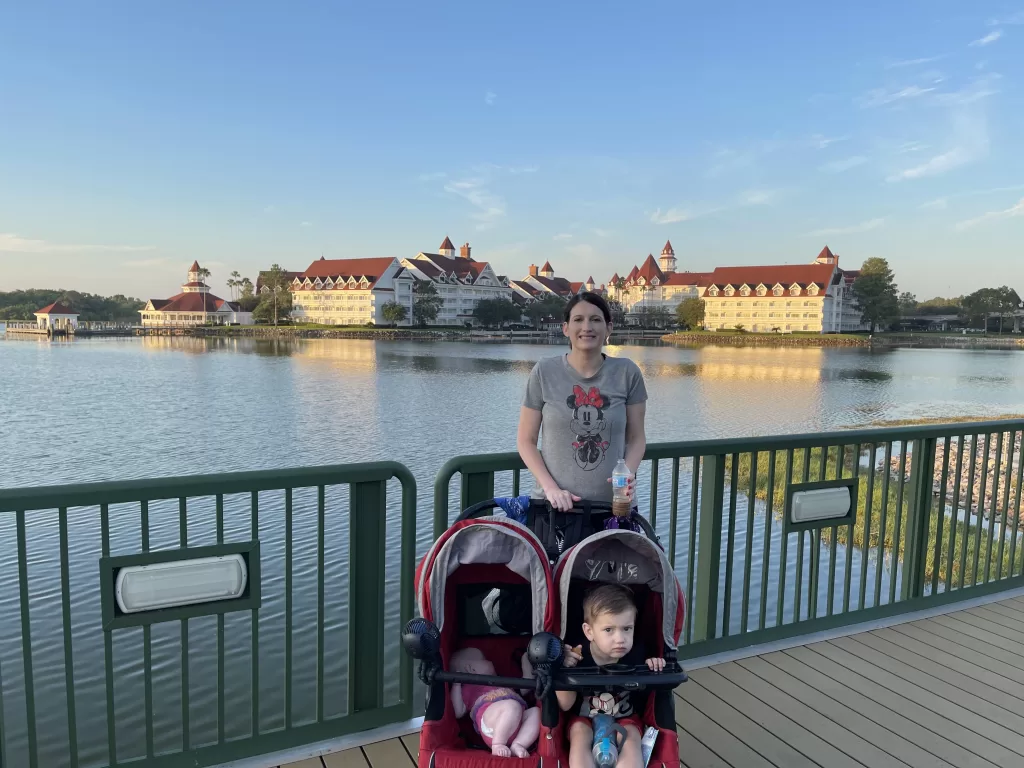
611	634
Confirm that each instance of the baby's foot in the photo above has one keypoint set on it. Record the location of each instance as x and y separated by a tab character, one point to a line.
500	750
519	750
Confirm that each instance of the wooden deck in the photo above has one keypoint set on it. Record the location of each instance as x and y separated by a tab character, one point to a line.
946	691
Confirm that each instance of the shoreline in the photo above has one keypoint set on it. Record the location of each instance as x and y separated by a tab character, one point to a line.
877	341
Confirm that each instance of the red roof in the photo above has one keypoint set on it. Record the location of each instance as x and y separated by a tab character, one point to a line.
194	302
446	245
576	287
614	279
371	269
547	267
632	274
650	270
826	254
57	308
558	285
667	250
523	285
450	265
194	267
783	274
687	278
590	280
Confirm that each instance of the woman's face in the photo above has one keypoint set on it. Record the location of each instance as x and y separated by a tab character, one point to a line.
587	329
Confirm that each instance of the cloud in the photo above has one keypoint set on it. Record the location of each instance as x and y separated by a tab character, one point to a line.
1011	212
305	223
437	175
490	97
939	204
864	226
681	213
603	232
1012	19
146	263
988	39
516	171
911	62
942	203
979	88
838	166
879	97
970	142
11	243
758	196
823	142
912	146
562	236
489	207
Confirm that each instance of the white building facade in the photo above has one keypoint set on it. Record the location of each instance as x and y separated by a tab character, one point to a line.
351	292
195	305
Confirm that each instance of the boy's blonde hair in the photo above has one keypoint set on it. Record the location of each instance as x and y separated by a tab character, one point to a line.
607	599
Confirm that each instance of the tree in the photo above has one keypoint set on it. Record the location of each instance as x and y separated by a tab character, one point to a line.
985	302
235	284
658	317
940	306
277	302
876	293
394	312
618	313
690	313
541	309
496	312
1007	302
203	274
908	304
247	299
427	302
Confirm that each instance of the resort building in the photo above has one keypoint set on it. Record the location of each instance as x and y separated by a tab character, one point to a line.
460	281
350	291
57	317
813	298
542	282
655	284
195	305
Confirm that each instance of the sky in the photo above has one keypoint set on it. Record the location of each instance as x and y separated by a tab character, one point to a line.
136	137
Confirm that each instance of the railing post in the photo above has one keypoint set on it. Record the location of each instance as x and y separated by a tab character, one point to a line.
476	487
919	508
367	519
709	548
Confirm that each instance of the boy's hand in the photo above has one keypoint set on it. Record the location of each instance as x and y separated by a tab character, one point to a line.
656	665
571	656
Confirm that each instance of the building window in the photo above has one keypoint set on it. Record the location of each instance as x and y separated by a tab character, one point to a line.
794	291
761	290
777	290
744	291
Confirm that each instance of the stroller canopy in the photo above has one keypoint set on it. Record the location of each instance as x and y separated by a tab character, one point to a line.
486	541
627	558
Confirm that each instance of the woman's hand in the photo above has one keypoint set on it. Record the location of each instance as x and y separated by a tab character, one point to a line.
561	500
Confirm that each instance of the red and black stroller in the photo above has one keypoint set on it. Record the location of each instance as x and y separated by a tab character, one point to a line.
511	585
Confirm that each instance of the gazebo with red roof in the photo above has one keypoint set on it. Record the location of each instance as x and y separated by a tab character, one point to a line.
57	316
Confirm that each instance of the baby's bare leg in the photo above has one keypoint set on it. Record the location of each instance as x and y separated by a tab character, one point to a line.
631	755
528	732
502	719
581	745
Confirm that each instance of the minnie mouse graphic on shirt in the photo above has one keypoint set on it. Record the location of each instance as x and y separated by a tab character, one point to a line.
588	424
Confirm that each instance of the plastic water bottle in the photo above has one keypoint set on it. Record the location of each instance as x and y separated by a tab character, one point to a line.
606	748
621	503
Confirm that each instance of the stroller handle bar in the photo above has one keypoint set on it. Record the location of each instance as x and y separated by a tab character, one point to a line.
584	506
640	678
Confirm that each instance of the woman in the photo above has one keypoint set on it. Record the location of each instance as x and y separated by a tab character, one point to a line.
592	410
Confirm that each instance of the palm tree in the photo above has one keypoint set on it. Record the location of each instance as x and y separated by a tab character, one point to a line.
235	283
203	273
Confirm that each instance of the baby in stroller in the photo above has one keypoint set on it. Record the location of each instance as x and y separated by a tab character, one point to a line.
487	590
609	623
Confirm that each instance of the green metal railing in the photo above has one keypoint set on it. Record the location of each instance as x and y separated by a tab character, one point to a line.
88	691
928	504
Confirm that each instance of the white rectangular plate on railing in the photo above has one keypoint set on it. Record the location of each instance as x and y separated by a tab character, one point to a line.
180	582
820	504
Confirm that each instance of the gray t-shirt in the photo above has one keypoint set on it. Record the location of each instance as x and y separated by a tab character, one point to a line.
583	421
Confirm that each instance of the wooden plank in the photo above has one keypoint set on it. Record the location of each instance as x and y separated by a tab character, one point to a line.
990	626
878	735
969	630
997	617
759	738
311	762
412	745
854	750
387	754
996	714
350	758
976	733
964	675
975	650
693	754
1007	609
717	739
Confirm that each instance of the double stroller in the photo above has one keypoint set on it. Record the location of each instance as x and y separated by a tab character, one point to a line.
511	585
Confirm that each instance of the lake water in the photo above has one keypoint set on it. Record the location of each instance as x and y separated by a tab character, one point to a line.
154	407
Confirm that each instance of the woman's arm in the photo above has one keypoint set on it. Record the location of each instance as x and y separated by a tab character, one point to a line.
526	444
636	438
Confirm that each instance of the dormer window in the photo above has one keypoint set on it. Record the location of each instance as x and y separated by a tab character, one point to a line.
778	290
812	290
352	282
639	281
794	290
761	290
654	281
745	290
364	283
441	279
713	291
729	290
